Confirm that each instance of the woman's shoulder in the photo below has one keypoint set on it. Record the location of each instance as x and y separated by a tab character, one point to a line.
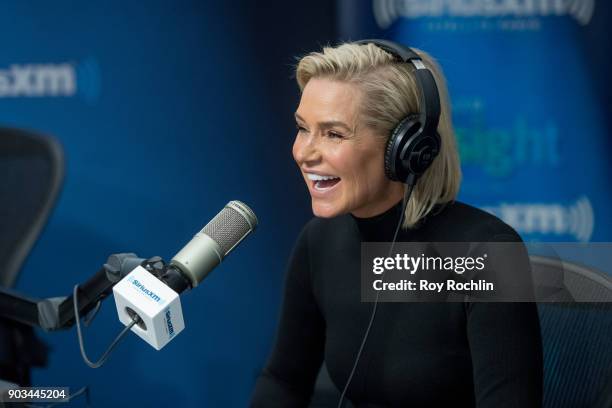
460	221
451	221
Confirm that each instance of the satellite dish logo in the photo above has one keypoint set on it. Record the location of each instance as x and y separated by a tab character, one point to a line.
60	80
576	220
386	12
88	79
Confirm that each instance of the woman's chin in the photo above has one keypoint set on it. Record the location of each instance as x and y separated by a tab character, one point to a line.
325	210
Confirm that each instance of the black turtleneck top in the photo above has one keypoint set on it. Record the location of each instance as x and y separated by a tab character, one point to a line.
417	354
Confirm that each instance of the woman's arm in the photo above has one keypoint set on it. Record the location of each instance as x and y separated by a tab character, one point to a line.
506	350
291	371
506	345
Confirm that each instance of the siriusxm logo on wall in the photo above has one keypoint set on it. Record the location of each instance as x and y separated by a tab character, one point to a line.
51	80
387	12
532	134
573	220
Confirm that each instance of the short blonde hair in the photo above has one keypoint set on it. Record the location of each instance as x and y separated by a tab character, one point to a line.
390	93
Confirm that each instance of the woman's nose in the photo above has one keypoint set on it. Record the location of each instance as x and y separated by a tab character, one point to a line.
307	150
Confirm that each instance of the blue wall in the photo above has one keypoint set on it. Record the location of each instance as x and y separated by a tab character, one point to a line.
531	104
530	93
176	108
170	109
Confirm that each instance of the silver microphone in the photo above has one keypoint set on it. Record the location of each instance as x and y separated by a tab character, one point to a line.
215	241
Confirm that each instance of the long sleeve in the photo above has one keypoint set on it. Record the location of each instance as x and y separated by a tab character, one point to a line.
506	346
483	355
506	354
291	371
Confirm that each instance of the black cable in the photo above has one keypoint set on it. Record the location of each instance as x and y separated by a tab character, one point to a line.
407	195
88	318
110	348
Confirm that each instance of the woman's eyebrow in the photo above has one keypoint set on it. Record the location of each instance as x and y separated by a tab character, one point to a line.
332	123
327	123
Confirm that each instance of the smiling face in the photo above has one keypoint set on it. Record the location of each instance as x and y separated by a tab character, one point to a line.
341	161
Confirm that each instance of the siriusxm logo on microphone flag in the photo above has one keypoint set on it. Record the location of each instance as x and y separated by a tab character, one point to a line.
143	289
169	324
51	80
386	12
159	307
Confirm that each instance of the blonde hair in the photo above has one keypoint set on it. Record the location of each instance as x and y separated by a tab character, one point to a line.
389	94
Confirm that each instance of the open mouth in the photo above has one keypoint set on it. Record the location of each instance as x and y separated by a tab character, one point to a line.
325	184
322	183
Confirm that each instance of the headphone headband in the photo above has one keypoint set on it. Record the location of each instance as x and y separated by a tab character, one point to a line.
415	142
404	54
429	97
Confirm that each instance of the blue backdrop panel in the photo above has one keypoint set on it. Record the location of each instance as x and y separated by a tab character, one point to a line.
530	95
531	103
166	111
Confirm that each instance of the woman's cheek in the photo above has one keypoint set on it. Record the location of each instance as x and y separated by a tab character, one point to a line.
340	159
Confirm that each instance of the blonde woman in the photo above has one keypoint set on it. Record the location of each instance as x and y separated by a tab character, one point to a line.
416	354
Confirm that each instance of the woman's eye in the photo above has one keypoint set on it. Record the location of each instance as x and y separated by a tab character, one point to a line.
300	128
334	135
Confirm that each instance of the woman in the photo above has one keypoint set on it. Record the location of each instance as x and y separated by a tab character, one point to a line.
416	354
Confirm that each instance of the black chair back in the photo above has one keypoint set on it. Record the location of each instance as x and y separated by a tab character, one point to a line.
576	335
31	174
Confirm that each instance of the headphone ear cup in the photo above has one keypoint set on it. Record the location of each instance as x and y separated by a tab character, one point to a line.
394	168
420	153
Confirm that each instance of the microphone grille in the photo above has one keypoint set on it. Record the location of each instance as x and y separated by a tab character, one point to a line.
231	225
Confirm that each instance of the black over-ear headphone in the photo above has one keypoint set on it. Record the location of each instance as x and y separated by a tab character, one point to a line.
415	142
412	147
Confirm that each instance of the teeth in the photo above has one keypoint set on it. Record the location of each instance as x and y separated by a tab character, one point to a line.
316	177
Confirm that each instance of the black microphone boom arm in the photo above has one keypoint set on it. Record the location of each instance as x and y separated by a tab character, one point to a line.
58	313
